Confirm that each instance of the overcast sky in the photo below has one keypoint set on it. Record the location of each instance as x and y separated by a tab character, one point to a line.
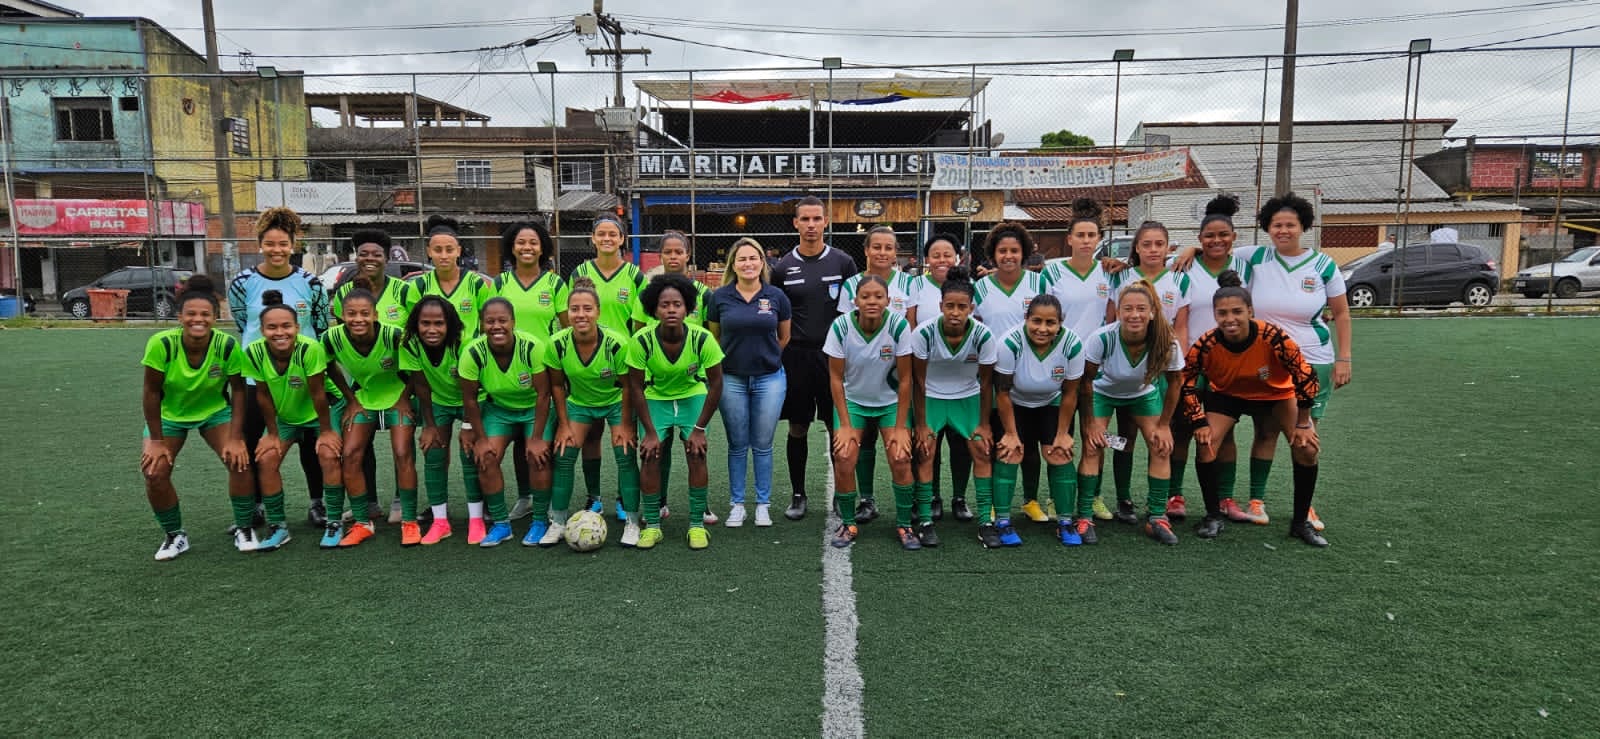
1491	94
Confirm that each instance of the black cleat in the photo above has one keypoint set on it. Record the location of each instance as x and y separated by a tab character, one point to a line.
866	511
1125	513
927	536
1307	533
908	538
1160	529
959	509
317	515
1086	532
989	536
797	507
1209	527
938	509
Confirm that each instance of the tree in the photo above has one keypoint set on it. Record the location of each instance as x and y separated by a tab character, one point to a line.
1064	139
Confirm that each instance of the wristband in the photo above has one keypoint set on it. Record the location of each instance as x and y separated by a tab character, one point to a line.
700	428
1346	360
1303	427
466	426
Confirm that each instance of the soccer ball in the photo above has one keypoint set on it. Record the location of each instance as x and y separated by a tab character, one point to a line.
586	531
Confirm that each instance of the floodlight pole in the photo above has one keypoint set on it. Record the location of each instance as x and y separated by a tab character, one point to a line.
1561	162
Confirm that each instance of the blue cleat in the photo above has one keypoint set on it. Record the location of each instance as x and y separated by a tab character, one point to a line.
535	533
499	532
276	537
1008	535
621	514
331	536
1067	532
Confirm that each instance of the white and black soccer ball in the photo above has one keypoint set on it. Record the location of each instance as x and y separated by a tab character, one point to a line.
586	531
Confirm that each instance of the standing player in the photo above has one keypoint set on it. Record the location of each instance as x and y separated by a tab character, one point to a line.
1083	287
675	249
618	282
1003	298
942	251
811	275
539	297
189	372
430	354
506	392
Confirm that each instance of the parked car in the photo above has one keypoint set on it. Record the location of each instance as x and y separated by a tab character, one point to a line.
332	276
1577	272
1428	274
151	290
1114	246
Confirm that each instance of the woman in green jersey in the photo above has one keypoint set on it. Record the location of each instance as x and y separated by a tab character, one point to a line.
676	382
618	282
395	296
676	249
464	289
539	297
189	373
506	392
430	353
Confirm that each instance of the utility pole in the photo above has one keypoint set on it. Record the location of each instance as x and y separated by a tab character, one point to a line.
1291	30
616	52
220	148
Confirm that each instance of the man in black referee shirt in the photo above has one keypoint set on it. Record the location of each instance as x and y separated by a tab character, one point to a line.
811	275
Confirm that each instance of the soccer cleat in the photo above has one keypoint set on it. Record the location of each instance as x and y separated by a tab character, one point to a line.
522	508
630	534
277	536
1176	508
1034	513
175	543
1008	533
395	514
1085	527
797	507
846	535
1258	513
535	533
650	537
1316	523
1209	527
553	535
595	505
763	515
989	536
1160	529
331	534
475	531
959	509
410	534
708	518
357	534
317	514
938	508
622	516
1101	512
908	538
866	510
1307	533
499	532
665	511
1231	509
244	540
259	516
1067	532
438	531
927	535
699	538
735	516
1125	513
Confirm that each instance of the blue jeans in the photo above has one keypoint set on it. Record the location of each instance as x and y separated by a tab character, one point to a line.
750	409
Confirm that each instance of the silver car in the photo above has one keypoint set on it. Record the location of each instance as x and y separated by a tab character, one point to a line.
1577	272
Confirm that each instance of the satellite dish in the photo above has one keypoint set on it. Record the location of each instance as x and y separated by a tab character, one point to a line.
996	140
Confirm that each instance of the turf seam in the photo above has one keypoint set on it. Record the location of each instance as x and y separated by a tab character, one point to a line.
842	686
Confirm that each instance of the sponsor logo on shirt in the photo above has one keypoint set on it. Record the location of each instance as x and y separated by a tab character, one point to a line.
524	379
297	382
466	305
623	294
214	373
1058	373
544	298
1308	284
1263	373
886	353
393	312
387	363
764	306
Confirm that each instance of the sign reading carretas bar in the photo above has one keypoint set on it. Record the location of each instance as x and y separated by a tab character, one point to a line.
109	218
748	164
960	172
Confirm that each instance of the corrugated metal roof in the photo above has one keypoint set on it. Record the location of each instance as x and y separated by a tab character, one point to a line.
844	88
1063	213
593	202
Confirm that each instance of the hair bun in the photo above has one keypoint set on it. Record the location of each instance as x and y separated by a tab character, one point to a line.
198	284
1086	208
958	274
1229	278
582	283
1225	204
272	297
439	223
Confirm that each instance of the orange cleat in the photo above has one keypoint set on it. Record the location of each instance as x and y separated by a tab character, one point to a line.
358	533
410	534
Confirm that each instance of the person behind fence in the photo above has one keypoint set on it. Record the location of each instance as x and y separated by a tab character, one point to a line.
538	296
1003	298
618	282
1082	286
943	251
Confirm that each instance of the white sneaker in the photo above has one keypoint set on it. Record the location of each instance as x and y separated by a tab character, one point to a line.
763	518
665	511
735	516
244	540
394	512
175	544
630	533
522	508
708	518
553	535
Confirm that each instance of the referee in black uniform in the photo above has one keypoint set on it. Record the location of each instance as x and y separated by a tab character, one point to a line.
811	275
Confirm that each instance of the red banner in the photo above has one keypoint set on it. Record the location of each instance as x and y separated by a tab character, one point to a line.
109	218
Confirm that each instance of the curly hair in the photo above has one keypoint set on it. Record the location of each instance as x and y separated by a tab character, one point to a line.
1008	229
1287	201
547	246
282	219
651	297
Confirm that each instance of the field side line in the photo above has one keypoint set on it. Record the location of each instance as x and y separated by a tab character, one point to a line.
842	685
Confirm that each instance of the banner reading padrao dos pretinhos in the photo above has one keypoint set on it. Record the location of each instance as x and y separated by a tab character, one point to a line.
961	172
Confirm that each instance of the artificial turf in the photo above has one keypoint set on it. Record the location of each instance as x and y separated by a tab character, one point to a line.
1460	594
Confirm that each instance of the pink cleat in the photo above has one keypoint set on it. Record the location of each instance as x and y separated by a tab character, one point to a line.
475	531
440	530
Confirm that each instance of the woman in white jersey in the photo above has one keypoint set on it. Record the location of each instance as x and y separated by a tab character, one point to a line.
869	366
1083	287
942	251
883	249
1002	299
1036	391
1136	363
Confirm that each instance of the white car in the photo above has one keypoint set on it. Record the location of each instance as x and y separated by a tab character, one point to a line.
1577	272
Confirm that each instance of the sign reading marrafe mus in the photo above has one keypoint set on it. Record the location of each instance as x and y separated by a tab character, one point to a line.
782	163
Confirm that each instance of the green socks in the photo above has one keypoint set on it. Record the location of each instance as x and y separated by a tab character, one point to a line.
1063	488
846	503
1227	476
1003	489
985	499
561	494
1088	490
333	502
697	507
1260	469
628	478
435	477
904	503
358	508
541	504
591	476
171	519
866	465
273	502
1156	501
923	492
408	503
244	507
495	502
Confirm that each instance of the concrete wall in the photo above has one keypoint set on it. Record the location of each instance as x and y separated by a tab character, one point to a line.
439	165
38	74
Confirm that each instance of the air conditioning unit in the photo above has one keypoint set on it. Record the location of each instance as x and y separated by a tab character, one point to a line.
616	120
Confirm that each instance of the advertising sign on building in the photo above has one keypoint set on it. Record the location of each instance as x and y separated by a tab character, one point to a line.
746	164
961	172
109	218
307	197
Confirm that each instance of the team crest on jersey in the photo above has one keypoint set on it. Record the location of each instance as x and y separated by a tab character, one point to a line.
214	373
1025	303
898	305
693	369
387	363
1263	372
393	313
886	353
544	298
605	373
623	295
972	358
300	307
1102	290
764	306
1308	285
524	379
466	305
833	291
1169	298
1058	373
297	382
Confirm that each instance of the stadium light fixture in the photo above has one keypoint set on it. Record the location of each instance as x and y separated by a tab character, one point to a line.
1122	55
547	67
1421	46
832	62
267	72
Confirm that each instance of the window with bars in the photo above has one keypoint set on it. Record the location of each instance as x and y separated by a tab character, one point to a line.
84	119
1557	164
473	173
577	176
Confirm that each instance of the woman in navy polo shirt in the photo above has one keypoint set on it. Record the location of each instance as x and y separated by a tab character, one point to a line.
750	318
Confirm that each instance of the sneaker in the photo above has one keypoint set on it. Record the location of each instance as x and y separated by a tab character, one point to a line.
622	516
959	509
797	507
1209	527
374	511
846	535
649	538
1307	533
357	534
438	531
630	534
1034	513
1008	533
908	538
1316	523
735	516
763	515
699	538
1230	509
938	508
395	515
331	534
410	534
1258	513
1160	529
665	511
866	510
1101	512
1067	532
475	531
244	540
595	505
174	544
989	536
317	514
522	508
553	535
708	518
499	532
535	533
277	536
1176	508
1125	512
259	516
1085	527
927	536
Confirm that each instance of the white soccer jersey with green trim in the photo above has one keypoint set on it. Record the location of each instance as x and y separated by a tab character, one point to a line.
1202	287
1083	297
953	373
1036	379
1002	311
1171	287
869	361
901	293
1292	293
1120	375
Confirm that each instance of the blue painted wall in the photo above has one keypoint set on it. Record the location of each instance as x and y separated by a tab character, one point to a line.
37	65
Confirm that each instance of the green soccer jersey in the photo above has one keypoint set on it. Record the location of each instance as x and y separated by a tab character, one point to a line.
188	393
442	377
597	381
291	388
468	298
538	306
619	294
375	375
702	305
679	378
394	304
509	387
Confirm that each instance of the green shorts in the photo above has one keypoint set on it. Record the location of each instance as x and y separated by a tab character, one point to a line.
1319	405
960	416
444	415
680	415
1148	404
861	414
590	415
287	431
182	428
391	417
512	422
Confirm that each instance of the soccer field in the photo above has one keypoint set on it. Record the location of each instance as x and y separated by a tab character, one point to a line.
1460	595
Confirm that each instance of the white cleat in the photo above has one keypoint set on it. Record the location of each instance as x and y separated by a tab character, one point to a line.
244	540
175	544
630	533
735	516
554	535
